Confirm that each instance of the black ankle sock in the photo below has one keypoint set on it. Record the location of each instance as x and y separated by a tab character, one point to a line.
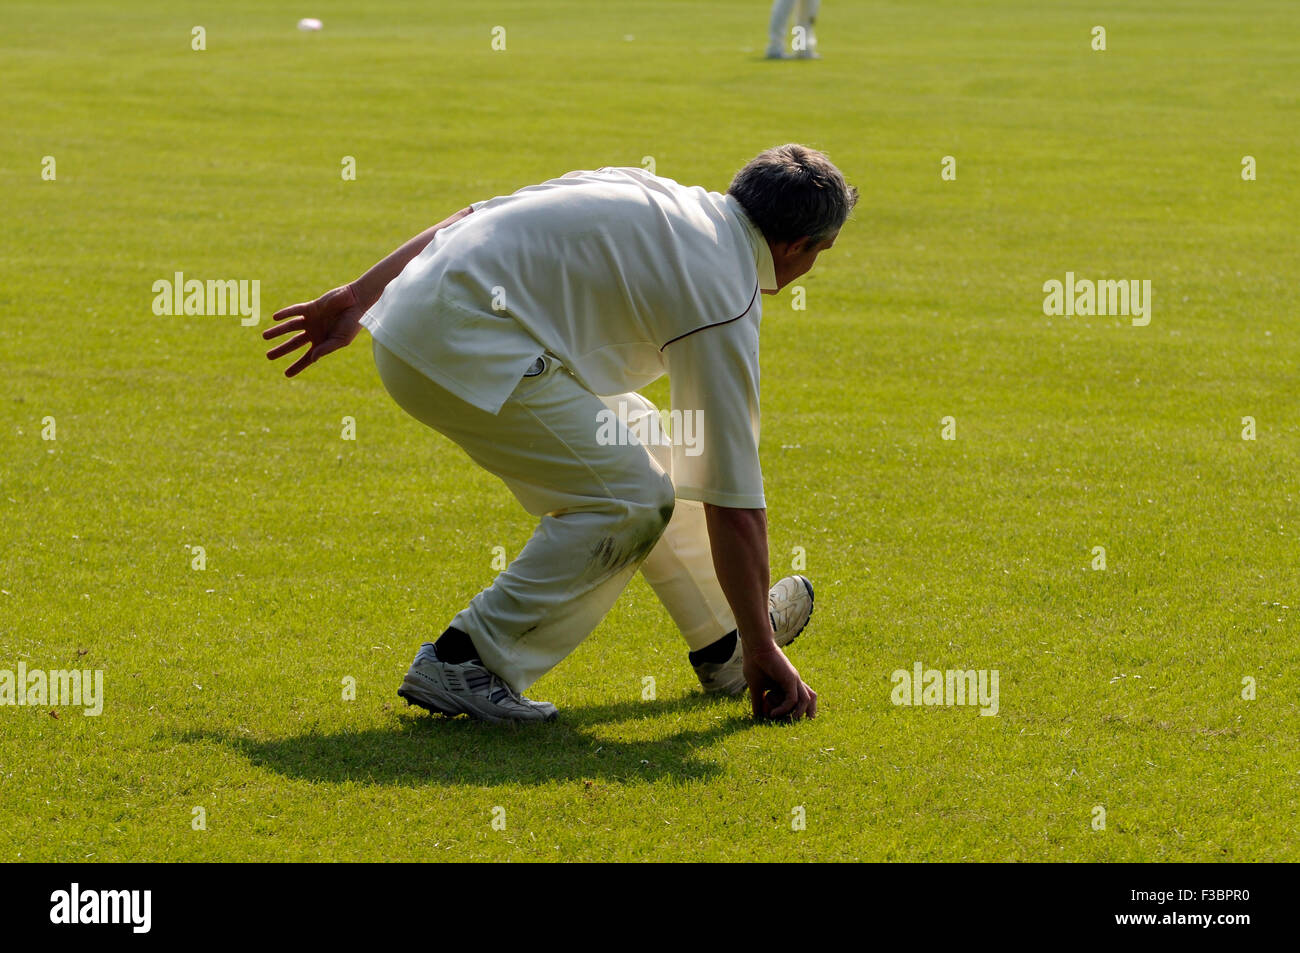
715	652
455	647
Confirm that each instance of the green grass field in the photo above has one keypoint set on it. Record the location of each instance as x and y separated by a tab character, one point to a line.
329	559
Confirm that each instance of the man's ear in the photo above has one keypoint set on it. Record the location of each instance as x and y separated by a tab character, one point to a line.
791	248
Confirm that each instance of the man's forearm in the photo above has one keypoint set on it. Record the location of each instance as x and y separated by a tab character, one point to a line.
738	540
371	285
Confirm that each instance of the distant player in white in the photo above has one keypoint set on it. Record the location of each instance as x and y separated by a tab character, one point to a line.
803	38
521	328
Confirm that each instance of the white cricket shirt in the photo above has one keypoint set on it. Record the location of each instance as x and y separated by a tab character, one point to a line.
622	275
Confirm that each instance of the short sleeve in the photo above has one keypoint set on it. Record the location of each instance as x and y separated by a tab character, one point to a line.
713	377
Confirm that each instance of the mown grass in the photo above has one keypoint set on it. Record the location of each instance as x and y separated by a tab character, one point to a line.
330	559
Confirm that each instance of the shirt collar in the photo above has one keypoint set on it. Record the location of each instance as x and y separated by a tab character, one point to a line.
762	252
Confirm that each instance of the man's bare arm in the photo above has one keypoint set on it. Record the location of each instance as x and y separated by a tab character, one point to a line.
371	285
738	540
333	320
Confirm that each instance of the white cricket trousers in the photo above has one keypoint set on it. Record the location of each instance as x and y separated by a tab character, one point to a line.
805	15
606	510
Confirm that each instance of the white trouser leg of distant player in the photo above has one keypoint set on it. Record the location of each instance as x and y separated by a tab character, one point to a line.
602	509
805	17
776	27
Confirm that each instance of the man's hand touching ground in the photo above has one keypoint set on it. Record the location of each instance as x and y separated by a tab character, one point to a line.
330	322
775	688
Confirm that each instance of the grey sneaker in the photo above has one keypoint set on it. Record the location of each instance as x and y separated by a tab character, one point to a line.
790	605
468	689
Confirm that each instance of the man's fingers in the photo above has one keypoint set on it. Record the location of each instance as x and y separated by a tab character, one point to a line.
288	347
805	702
326	347
756	697
788	703
305	361
800	703
807	707
301	308
275	330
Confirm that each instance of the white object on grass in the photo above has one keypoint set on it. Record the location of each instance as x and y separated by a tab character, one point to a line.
309	23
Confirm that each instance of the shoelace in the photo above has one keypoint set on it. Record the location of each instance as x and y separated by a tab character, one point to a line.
481	680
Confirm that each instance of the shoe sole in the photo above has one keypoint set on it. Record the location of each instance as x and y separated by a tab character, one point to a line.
418	693
812	607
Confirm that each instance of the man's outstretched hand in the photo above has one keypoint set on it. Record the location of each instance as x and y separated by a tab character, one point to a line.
330	322
775	688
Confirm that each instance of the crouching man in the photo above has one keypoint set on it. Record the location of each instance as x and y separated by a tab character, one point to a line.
516	326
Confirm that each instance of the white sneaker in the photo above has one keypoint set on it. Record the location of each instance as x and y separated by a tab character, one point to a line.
468	689
790	606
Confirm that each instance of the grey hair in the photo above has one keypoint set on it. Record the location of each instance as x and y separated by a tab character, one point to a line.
793	192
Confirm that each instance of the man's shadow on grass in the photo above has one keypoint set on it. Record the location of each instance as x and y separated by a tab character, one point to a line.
423	749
